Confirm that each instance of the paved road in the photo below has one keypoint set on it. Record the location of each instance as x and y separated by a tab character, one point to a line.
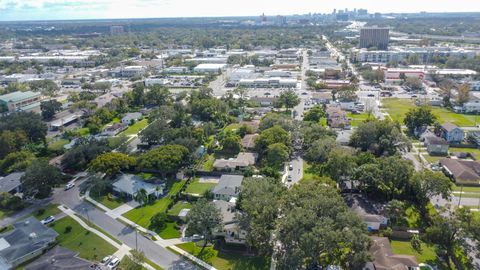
154	252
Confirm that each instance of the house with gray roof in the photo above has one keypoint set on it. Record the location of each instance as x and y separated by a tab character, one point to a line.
452	133
228	187
129	185
130	118
60	258
28	239
231	230
11	183
240	162
385	259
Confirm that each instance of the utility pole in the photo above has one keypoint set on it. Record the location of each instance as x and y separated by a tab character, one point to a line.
460	198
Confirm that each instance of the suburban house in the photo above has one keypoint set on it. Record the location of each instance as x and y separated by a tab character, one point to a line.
367	211
59	258
337	118
228	187
462	171
129	185
231	229
11	183
240	162
436	146
28	239
248	141
384	259
27	101
452	133
474	137
130	118
114	129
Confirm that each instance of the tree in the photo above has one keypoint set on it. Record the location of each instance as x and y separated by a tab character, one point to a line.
414	83
379	137
273	135
427	184
319	151
276	155
10	202
159	221
111	163
259	202
314	114
11	141
158	95
416	243
31	123
231	144
419	117
16	161
50	108
317	229
47	87
463	95
395	211
347	94
166	158
204	219
289	99
276	119
141	196
82	153
39	179
340	165
312	132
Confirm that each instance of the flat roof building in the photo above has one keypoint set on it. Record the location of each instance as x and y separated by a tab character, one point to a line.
22	101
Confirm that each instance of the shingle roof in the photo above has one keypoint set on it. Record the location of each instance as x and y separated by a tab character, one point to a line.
59	258
131	184
449	126
228	185
384	259
10	182
436	140
28	236
462	170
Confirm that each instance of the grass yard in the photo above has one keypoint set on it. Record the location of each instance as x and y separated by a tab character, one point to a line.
170	231
108	200
357	118
226	261
135	128
58	145
466	189
50	210
208	161
405	248
89	245
175	210
83	131
142	215
397	108
432	159
232	127
195	187
475	152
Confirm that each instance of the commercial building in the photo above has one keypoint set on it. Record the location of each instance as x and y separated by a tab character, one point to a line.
268	83
399	54
127	72
27	101
374	37
210	68
394	75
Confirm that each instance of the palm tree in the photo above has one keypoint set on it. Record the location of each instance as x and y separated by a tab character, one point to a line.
141	197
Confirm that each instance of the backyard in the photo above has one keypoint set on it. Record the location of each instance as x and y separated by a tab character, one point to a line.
135	128
175	210
405	248
89	245
57	145
357	118
397	108
196	187
226	261
142	215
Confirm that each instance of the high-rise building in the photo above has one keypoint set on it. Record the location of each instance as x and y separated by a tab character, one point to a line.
374	37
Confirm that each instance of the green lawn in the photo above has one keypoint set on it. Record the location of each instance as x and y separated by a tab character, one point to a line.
432	159
397	108
108	200
142	215
466	189
58	145
135	128
89	245
233	127
195	187
208	161
226	261
170	231
405	248
175	210
475	152
357	118
50	210
83	131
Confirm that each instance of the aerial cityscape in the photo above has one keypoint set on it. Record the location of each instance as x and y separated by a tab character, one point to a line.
307	135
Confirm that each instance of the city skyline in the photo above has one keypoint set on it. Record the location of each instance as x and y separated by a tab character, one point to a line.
21	10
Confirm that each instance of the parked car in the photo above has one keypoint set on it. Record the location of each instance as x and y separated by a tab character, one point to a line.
69	186
113	263
290	167
289	178
106	260
48	220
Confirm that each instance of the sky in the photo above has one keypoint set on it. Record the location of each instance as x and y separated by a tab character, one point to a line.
13	10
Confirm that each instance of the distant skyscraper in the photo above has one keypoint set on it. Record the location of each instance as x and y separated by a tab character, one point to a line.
116	30
263	18
374	37
281	20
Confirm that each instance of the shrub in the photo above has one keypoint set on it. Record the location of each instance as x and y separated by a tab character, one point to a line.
159	221
40	212
68	229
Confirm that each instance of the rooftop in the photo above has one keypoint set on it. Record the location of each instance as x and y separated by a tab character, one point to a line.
10	182
131	184
18	96
59	258
228	185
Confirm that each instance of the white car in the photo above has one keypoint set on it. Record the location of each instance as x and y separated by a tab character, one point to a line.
48	220
106	260
69	186
113	263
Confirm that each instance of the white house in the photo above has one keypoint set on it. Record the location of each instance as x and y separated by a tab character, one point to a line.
129	118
